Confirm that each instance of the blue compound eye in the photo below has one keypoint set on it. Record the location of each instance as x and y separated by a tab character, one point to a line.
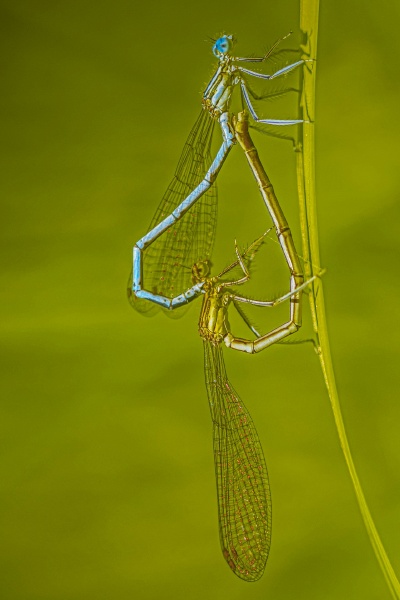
223	45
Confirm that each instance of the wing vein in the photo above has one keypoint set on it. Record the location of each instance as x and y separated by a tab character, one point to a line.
244	499
168	261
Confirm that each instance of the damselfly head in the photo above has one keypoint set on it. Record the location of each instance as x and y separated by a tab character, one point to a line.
223	45
201	270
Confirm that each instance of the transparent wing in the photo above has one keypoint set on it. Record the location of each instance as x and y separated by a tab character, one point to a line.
244	499
168	261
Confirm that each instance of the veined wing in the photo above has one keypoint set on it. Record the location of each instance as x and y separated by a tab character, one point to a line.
244	499
168	261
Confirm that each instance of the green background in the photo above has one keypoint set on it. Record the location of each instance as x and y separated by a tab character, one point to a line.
107	476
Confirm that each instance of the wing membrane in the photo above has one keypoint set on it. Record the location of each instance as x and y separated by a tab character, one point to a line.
244	499
168	261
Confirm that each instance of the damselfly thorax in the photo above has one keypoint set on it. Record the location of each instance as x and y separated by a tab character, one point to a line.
213	322
217	96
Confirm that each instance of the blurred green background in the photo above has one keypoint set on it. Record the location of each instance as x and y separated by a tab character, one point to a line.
107	476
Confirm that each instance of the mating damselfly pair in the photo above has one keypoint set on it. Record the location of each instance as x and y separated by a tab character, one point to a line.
171	267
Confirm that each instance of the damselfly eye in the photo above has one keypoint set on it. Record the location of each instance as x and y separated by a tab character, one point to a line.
201	270
223	45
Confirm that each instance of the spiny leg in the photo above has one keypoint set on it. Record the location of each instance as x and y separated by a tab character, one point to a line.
249	254
276	122
242	265
279	73
246	319
272	303
267	54
271	95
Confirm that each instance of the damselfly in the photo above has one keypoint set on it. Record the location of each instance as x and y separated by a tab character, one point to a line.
244	501
187	214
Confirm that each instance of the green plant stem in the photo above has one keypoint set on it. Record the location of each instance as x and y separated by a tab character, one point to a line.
309	232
